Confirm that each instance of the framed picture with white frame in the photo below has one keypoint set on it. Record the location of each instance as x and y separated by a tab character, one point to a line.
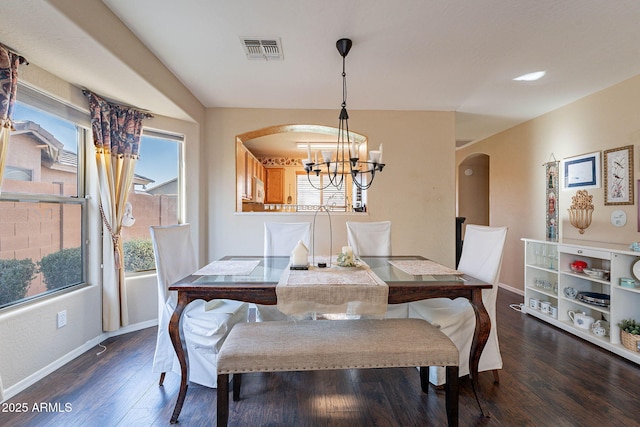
581	171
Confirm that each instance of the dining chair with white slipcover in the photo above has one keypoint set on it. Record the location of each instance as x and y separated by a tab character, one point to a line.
481	258
369	238
279	240
204	330
374	239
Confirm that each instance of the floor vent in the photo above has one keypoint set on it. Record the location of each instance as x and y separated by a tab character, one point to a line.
265	49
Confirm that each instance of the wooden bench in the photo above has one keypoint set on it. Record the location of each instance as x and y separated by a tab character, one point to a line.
315	345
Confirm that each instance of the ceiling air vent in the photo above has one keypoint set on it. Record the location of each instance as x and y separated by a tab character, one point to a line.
265	49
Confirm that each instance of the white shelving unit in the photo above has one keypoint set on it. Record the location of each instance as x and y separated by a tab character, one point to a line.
547	274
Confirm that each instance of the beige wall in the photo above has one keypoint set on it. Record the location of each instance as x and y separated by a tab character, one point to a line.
415	191
30	344
607	119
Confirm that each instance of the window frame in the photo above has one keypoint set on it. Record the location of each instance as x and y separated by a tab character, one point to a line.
178	138
81	120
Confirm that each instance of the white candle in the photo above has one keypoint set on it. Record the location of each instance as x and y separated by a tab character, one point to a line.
380	149
309	152
352	150
317	157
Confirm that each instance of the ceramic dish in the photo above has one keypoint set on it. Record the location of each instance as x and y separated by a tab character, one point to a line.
594	298
635	270
596	273
570	292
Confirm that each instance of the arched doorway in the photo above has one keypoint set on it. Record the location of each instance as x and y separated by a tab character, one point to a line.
473	189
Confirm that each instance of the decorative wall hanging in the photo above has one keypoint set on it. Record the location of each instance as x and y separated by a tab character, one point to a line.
581	210
582	171
552	169
618	176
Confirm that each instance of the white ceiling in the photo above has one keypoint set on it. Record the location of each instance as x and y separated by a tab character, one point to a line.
451	55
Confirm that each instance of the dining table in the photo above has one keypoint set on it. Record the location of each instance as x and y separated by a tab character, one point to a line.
259	286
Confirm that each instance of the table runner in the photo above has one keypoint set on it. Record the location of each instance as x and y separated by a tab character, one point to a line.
355	290
228	268
423	267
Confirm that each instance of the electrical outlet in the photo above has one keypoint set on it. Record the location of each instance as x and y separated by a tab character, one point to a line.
62	319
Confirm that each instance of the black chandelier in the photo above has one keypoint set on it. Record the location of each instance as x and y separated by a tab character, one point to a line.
345	158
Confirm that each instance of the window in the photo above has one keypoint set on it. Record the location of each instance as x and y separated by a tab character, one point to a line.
311	197
154	199
42	205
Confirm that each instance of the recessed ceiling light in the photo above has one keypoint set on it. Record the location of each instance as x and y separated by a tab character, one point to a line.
529	77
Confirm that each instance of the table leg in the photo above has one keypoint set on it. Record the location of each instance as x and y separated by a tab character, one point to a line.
480	334
177	338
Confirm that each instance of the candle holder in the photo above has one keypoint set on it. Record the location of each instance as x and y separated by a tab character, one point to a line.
313	237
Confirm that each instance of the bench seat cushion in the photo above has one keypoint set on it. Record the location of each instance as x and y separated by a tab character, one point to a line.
312	345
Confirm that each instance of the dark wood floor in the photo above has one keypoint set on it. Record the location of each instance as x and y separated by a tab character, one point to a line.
550	378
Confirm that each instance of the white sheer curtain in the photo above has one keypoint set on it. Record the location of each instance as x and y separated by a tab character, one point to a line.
116	138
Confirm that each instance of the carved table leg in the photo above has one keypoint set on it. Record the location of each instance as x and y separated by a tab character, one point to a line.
177	338
480	334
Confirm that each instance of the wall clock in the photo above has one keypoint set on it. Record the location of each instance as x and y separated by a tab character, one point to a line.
618	218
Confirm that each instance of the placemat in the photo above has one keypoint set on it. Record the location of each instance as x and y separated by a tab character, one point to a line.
419	267
228	268
354	290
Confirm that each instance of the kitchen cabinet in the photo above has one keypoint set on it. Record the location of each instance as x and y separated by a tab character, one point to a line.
248	168
274	185
549	278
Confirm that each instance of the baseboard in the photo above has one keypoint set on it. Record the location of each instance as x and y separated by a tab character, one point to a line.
511	289
131	328
27	382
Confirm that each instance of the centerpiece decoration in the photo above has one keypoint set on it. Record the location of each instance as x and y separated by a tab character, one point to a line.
346	258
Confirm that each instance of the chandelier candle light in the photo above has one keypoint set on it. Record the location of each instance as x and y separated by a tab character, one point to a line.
347	158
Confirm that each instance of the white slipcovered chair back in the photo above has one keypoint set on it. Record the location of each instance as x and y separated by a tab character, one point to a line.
369	238
481	258
281	237
482	252
204	330
175	258
374	239
279	240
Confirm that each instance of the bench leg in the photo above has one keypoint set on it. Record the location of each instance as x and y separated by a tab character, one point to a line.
237	382
451	395
424	379
223	400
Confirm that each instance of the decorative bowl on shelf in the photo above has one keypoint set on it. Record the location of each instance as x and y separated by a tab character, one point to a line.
596	273
578	266
570	292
